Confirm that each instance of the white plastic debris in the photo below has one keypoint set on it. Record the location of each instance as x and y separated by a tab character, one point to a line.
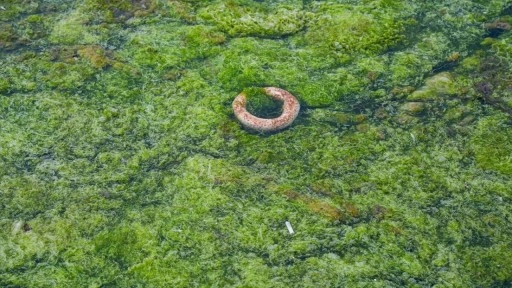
289	226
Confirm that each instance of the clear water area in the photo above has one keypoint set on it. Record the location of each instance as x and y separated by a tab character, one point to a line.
122	164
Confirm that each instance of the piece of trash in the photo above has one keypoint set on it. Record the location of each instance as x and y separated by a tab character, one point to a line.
289	226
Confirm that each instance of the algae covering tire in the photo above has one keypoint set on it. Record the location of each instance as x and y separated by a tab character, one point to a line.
291	107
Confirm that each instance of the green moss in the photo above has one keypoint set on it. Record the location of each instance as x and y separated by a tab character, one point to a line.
437	86
119	10
8	36
34	27
337	118
243	18
262	105
491	145
4	85
13	9
37	71
167	47
72	29
343	30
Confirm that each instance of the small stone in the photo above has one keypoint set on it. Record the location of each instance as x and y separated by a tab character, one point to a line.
442	83
413	108
381	113
405	119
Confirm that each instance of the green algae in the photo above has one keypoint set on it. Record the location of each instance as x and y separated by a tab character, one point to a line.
122	165
491	147
250	18
261	104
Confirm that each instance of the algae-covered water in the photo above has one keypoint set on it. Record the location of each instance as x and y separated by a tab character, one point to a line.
122	164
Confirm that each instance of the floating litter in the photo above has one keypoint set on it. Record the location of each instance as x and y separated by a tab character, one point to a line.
289	226
291	107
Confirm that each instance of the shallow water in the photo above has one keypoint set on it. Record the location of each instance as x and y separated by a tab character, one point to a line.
122	164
